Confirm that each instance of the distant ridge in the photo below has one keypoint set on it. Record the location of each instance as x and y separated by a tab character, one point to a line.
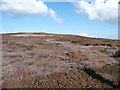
56	34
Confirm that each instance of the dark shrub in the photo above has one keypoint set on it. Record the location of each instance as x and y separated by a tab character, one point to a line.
117	54
75	41
103	44
109	45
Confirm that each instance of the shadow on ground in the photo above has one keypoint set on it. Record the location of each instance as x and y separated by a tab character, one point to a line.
100	78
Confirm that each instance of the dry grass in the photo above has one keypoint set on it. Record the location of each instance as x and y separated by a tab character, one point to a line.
56	61
37	47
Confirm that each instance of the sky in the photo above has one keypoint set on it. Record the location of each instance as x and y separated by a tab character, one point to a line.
96	19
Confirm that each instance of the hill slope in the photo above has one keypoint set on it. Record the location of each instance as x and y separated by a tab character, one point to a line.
41	60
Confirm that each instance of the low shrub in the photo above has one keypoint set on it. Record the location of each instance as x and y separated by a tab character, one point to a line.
117	54
75	41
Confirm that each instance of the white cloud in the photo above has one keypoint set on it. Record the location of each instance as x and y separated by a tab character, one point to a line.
29	7
55	17
104	10
83	34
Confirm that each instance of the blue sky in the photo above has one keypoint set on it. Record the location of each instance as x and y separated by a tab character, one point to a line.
73	23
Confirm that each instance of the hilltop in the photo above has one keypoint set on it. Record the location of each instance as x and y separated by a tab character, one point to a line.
42	60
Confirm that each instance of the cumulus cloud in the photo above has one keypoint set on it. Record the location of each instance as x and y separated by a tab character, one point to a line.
29	7
104	10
